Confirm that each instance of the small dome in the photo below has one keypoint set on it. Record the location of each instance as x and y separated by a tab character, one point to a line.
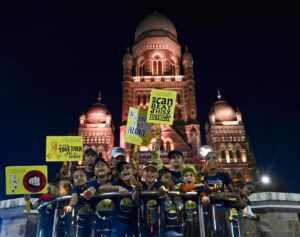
157	24
97	113
187	56
222	111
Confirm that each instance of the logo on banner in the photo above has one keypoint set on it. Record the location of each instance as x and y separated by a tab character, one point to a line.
138	131
64	148
162	106
26	179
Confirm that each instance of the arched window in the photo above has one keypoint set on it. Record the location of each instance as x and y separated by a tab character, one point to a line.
178	99
223	154
155	68
144	99
238	154
168	146
162	145
230	153
139	99
160	69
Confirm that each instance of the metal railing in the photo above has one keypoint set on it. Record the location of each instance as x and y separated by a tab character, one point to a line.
110	214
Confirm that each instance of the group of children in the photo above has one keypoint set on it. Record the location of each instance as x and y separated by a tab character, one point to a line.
129	181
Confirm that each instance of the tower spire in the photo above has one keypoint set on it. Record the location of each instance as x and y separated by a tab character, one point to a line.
128	50
99	96
219	95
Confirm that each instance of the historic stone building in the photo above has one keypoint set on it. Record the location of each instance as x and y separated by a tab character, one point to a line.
155	62
97	129
225	132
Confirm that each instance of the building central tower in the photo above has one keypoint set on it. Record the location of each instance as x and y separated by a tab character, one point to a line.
155	62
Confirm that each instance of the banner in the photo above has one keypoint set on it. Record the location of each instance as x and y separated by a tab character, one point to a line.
161	107
138	131
64	148
26	179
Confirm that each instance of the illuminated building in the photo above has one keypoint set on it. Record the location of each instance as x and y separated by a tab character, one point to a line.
155	62
225	132
97	129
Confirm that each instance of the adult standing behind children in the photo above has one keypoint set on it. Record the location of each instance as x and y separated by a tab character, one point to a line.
90	155
176	162
117	154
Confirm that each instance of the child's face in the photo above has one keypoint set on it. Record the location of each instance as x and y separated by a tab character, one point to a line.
176	161
64	187
212	159
189	177
80	178
117	159
150	174
90	157
248	190
166	178
126	172
52	189
101	169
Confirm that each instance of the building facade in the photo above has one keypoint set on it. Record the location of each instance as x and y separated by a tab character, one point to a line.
97	129
155	61
225	133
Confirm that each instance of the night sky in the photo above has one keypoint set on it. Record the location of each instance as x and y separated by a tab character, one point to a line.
56	55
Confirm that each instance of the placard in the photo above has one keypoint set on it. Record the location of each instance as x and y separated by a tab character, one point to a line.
138	131
64	148
161	107
26	179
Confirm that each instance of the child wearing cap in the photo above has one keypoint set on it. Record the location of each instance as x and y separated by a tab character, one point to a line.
149	216
90	155
189	176
126	209
117	154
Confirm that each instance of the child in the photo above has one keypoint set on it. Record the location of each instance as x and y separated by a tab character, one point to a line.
126	211
189	176
90	155
172	205
117	154
149	215
46	212
82	208
65	187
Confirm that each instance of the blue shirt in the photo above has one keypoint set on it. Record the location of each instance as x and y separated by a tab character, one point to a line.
125	206
219	178
176	176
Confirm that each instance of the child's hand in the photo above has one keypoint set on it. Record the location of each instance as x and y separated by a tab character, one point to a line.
198	185
27	197
87	194
68	209
162	191
133	181
205	200
256	217
139	187
123	191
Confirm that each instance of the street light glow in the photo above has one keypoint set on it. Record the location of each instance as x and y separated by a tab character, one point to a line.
265	179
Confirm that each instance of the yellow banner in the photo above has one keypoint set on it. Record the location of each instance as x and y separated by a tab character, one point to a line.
26	179
162	106
138	131
64	148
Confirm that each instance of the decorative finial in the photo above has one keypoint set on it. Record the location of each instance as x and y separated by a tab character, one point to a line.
99	96
237	109
186	48
128	49
219	95
155	12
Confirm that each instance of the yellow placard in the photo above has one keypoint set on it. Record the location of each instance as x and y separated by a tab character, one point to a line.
138	131
64	148
162	106
26	179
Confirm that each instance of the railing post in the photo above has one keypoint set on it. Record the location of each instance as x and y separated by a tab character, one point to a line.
54	227
201	221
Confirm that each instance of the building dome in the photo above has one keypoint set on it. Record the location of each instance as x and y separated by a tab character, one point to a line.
155	24
222	111
97	112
